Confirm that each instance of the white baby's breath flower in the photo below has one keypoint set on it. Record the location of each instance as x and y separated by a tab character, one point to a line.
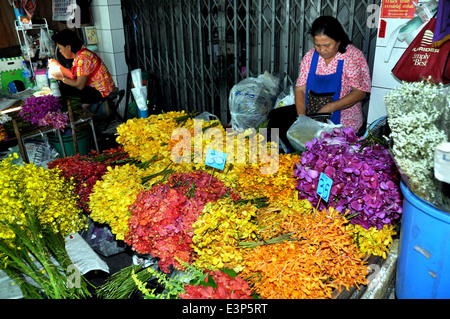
418	116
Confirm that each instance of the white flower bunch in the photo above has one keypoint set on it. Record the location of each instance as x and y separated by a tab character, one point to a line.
4	118
418	116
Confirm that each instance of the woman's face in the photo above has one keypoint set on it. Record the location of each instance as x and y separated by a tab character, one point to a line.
326	46
65	51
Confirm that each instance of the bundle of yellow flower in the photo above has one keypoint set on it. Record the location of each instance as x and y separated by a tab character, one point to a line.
322	257
217	231
373	241
32	189
112	195
146	137
38	210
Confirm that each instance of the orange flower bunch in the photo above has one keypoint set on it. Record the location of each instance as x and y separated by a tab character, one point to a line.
3	135
320	258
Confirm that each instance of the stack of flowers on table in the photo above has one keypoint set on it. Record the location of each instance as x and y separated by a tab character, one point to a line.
84	171
38	211
44	111
365	178
162	217
164	210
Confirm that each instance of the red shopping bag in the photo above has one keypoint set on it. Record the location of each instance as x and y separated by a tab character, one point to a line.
420	60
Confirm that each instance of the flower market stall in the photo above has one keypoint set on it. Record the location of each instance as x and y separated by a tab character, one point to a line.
257	228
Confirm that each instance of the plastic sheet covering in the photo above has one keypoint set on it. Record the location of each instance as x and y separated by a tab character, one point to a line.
305	129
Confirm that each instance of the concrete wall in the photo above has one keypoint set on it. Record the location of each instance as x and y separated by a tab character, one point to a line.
107	18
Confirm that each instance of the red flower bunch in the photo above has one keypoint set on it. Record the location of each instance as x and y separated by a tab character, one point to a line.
225	287
162	217
86	170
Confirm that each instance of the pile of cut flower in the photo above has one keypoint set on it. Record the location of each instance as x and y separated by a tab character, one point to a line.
186	213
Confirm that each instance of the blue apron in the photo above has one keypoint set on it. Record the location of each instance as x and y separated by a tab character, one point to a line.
325	84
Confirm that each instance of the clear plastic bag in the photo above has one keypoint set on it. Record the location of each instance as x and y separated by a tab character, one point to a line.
287	97
305	129
206	116
251	100
46	45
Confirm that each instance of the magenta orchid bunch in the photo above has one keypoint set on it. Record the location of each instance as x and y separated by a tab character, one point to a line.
44	111
365	178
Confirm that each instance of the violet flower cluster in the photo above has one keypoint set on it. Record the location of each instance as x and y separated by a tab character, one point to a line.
44	111
365	179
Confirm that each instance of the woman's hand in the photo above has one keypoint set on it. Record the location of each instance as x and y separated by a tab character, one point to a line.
327	109
345	102
57	76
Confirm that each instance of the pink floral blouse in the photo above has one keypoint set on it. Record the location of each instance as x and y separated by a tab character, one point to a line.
85	63
355	75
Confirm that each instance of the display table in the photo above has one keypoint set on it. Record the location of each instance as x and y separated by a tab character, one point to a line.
33	130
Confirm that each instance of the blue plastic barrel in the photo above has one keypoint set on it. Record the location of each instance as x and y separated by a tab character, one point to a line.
423	269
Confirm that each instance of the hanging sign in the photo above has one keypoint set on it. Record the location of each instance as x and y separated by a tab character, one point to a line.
398	9
63	10
324	186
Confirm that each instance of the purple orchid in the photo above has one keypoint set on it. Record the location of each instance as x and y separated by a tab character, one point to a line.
365	181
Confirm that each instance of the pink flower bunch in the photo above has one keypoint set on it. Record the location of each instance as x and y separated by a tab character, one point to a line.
365	178
162	217
226	287
56	119
44	110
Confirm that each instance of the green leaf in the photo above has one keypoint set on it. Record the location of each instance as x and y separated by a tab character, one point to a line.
210	282
229	272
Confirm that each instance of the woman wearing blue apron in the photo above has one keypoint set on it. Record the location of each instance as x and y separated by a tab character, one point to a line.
334	78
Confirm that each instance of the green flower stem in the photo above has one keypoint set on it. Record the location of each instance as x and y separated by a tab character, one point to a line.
275	240
121	285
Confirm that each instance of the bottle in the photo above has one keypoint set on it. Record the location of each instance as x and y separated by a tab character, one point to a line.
26	74
54	87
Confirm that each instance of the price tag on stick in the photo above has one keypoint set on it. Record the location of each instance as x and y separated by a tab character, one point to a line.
324	186
215	159
323	189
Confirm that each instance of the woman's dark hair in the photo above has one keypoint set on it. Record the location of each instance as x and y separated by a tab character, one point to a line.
68	37
330	26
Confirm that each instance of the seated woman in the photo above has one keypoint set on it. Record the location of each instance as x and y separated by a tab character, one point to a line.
90	78
334	78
